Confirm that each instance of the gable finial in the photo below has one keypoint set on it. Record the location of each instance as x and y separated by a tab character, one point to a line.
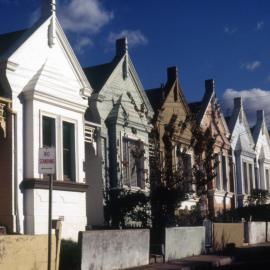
52	27
48	8
121	46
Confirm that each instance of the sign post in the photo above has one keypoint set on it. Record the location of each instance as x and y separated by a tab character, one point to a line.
47	166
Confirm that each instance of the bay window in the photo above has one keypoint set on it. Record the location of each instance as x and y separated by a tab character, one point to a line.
64	146
68	152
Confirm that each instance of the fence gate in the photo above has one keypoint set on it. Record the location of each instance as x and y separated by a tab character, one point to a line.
208	224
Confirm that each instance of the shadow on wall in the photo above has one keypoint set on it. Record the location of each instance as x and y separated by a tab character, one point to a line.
70	255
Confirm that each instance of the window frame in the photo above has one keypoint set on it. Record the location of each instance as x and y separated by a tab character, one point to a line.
59	119
127	136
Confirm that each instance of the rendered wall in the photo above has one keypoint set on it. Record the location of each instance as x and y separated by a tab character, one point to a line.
114	249
227	233
255	232
68	206
26	252
182	242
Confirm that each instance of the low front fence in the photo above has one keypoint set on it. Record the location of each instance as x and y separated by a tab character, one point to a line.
256	232
114	249
182	242
25	252
225	234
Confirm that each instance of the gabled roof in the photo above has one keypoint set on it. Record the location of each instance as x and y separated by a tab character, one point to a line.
195	107
8	40
11	42
200	108
260	124
232	120
157	96
98	75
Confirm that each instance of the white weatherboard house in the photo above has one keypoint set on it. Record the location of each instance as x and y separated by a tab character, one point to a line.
244	156
49	92
120	106
262	149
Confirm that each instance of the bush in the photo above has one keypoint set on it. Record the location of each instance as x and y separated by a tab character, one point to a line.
252	212
70	255
191	217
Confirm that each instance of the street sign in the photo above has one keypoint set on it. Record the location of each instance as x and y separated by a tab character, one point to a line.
46	165
46	161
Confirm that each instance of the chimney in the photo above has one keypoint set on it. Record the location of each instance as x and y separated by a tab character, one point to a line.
238	103
121	47
209	86
172	74
260	115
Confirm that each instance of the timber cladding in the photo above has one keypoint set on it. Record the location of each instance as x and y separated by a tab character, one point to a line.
24	252
227	233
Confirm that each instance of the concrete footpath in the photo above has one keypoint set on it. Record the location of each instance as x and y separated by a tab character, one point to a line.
201	262
247	257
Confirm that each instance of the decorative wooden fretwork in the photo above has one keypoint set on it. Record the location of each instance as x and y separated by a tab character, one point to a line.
89	133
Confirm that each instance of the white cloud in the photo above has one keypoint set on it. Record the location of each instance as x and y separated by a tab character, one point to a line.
84	16
230	31
82	43
253	99
135	37
252	65
259	25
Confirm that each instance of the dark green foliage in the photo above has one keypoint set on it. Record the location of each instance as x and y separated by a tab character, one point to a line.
125	207
191	217
70	255
258	197
253	212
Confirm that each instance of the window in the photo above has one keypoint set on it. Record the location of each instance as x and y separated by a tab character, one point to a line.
48	136
133	163
245	177
48	131
224	173
68	152
217	171
250	176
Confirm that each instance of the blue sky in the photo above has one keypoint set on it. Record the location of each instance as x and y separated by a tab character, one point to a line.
224	40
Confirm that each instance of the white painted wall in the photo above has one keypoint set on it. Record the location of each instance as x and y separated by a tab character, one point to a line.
47	81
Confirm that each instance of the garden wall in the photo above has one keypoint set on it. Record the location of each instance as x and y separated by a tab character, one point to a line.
255	232
114	249
25	252
227	233
182	242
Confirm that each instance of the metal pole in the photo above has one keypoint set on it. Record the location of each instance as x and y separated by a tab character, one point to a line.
50	223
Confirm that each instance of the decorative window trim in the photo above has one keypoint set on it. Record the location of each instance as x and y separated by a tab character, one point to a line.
134	137
59	119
